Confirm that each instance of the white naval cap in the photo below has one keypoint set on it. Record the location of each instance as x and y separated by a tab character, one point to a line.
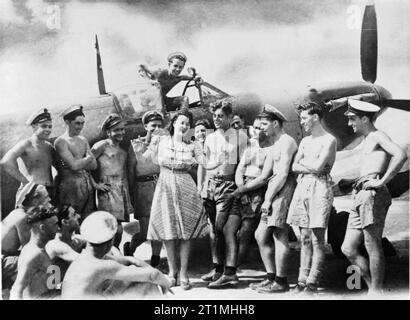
99	227
357	106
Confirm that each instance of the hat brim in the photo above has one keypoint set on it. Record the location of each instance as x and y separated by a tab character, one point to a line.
349	113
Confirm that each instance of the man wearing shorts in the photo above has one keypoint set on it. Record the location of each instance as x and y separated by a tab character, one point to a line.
218	186
381	160
313	197
112	187
272	231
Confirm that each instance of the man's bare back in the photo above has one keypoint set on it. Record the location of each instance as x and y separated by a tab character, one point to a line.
15	232
33	266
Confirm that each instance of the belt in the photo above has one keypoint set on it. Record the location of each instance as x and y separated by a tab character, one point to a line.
147	178
175	170
226	177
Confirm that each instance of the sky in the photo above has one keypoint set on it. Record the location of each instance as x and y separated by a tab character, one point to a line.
47	53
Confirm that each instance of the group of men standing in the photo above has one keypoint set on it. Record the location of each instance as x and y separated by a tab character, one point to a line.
265	183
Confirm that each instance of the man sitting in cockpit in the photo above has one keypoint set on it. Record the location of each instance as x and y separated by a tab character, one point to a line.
168	78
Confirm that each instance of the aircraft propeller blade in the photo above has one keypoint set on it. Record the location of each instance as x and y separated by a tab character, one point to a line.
400	104
368	44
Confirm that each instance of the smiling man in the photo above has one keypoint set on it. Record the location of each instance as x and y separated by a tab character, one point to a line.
313	197
75	187
168	78
112	187
35	153
381	160
219	184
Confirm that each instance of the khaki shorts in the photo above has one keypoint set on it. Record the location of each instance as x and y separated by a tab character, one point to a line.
116	200
312	202
370	207
280	205
217	200
249	205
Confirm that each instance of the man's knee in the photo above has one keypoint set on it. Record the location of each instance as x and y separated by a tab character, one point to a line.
349	250
261	236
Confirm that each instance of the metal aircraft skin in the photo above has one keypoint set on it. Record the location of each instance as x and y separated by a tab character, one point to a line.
131	104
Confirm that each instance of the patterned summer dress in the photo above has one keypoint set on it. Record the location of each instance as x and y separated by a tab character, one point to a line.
176	211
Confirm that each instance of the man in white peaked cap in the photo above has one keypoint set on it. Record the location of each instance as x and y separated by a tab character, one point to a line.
381	160
96	275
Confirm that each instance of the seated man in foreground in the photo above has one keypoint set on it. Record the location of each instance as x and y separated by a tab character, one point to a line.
92	276
34	264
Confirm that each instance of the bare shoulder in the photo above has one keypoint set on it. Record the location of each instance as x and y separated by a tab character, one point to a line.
61	140
31	254
379	135
15	216
100	144
330	138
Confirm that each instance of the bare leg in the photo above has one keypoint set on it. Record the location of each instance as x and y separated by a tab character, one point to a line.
318	257
305	254
350	248
373	243
170	246
282	250
231	242
220	222
263	235
185	246
245	235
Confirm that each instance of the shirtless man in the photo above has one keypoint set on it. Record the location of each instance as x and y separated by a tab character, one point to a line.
91	276
168	78
272	231
35	153
143	176
33	265
15	231
66	246
218	186
75	187
112	187
313	198
381	160
245	213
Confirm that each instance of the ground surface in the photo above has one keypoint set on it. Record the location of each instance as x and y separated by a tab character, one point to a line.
334	278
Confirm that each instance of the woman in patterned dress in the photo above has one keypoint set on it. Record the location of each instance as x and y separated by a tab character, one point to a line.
176	212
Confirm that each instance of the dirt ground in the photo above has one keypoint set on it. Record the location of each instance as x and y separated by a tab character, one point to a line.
334	278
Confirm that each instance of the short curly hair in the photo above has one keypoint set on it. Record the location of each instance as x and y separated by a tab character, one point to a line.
312	108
